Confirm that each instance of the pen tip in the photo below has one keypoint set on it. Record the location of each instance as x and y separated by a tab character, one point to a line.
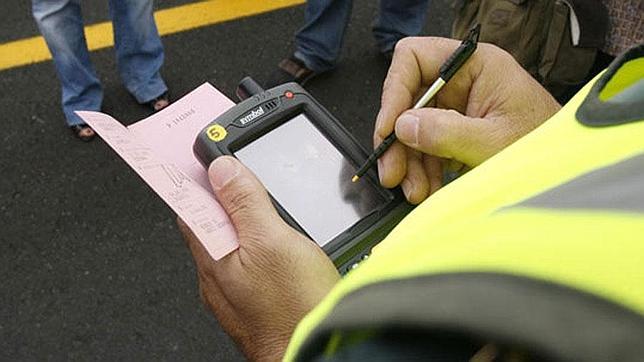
355	178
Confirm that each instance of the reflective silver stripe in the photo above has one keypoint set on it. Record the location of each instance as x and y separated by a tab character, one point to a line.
561	322
631	94
616	187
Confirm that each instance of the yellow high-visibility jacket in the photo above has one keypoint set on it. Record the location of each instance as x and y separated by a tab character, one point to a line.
541	246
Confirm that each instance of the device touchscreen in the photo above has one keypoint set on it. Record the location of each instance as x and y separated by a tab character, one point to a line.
311	179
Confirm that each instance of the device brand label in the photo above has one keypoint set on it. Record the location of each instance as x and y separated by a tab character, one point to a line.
252	116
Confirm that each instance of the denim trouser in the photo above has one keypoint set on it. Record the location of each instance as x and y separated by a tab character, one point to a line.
139	52
319	41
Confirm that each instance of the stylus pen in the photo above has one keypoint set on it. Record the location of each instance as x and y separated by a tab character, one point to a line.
446	71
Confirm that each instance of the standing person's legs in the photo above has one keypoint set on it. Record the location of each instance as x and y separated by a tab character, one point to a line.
319	41
399	19
61	24
139	51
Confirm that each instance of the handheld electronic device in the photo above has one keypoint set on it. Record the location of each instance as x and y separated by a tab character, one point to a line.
305	159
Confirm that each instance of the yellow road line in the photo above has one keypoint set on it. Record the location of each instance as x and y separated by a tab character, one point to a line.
169	21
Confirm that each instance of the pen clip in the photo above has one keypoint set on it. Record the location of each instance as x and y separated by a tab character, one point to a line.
461	54
473	34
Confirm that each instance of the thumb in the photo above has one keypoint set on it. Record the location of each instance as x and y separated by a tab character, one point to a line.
242	196
445	133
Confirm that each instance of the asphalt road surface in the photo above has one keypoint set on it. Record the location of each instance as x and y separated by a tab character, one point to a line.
92	265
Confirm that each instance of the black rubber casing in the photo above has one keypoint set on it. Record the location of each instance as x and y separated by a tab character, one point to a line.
245	123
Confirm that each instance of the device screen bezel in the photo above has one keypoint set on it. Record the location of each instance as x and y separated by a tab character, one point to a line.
289	108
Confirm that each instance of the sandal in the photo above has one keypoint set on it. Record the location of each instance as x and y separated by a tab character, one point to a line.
290	69
83	132
160	102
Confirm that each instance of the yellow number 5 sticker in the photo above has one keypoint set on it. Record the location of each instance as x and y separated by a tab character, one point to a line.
216	132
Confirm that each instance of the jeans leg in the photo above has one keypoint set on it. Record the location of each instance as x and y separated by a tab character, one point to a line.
139	52
319	41
399	19
61	24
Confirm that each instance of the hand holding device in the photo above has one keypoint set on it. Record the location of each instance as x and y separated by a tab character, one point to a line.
304	157
261	291
490	103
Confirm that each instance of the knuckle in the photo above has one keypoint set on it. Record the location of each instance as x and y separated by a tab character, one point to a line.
441	42
377	139
240	198
405	44
492	51
490	48
433	132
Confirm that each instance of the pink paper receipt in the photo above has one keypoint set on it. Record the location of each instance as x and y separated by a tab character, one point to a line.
172	131
159	149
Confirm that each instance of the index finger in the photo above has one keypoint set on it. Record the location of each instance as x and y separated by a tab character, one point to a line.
415	65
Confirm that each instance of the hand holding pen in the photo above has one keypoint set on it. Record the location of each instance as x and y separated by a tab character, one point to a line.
446	72
488	104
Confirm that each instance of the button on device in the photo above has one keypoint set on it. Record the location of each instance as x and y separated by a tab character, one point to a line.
289	94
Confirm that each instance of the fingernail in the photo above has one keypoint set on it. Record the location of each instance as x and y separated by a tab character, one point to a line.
407	188
407	129
380	170
222	170
379	118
